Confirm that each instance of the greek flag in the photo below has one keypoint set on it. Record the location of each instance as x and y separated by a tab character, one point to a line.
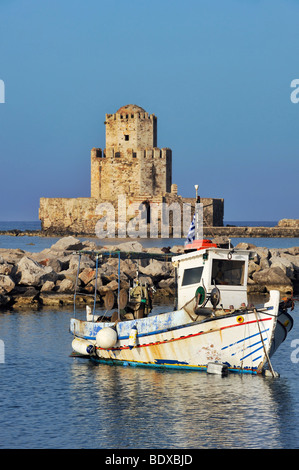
191	233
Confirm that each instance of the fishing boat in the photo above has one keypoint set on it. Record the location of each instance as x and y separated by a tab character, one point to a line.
211	327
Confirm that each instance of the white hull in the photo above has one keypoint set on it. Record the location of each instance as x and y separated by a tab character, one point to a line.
243	341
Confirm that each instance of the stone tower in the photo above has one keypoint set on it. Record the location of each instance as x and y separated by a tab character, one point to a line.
131	163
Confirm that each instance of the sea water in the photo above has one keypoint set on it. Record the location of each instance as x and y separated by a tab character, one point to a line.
51	400
35	244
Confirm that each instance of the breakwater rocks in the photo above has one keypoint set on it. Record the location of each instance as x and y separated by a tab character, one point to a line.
48	278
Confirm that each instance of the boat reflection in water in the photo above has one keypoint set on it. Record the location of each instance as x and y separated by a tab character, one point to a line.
154	408
211	328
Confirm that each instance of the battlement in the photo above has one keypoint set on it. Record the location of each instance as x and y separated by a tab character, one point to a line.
150	153
129	116
131	127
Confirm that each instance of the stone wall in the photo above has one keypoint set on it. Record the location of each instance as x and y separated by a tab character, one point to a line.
80	215
213	210
129	129
68	215
141	172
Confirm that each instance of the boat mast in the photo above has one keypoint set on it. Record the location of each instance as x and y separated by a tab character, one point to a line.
198	216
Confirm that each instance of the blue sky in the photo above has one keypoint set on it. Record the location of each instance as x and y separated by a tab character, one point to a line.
216	73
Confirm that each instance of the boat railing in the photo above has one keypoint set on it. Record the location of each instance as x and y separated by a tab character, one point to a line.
120	255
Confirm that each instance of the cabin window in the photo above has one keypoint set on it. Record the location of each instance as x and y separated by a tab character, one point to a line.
126	137
192	276
228	272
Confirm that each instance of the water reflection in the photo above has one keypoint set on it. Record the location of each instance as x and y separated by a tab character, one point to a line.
51	400
145	408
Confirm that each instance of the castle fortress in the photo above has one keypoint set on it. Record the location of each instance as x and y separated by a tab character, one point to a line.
131	165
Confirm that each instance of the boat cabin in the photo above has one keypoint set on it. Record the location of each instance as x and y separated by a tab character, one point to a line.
201	271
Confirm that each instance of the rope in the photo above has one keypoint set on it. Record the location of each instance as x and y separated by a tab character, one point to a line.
266	354
76	284
95	288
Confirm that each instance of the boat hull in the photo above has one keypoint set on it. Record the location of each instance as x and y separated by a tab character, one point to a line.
243	341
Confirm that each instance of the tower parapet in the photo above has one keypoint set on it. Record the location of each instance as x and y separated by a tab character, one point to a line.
131	164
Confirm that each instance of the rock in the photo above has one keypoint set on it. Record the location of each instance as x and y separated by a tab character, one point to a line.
4	300
157	270
85	262
55	264
87	275
264	263
113	285
91	285
68	274
253	267
54	299
177	249
6	268
160	251
288	223
284	264
25	297
293	251
246	246
222	242
145	280
12	256
6	284
109	271
33	274
91	246
67	244
131	246
67	285
263	253
48	286
129	268
167	283
273	277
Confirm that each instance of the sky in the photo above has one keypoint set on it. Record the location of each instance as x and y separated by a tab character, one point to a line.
217	74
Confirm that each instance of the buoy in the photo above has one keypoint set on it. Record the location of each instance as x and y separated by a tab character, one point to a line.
81	346
217	368
133	337
106	338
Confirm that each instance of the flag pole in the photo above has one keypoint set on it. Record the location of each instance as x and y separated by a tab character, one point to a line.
196	214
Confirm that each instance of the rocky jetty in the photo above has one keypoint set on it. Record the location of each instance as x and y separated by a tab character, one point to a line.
286	228
48	278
